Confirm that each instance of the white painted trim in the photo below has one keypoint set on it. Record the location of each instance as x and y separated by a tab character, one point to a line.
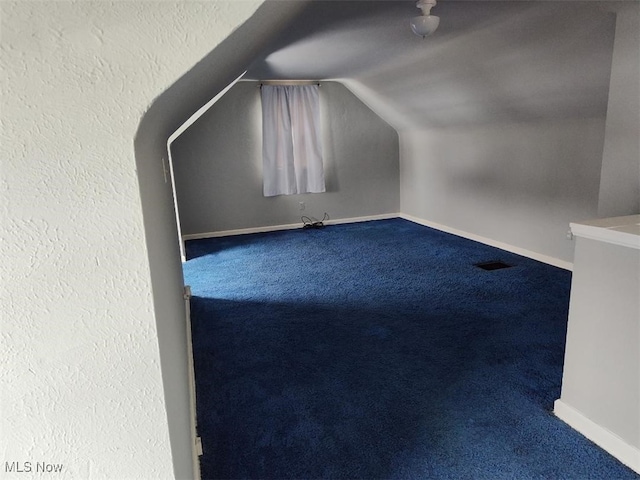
196	448
202	110
290	226
384	216
181	129
241	231
608	441
556	262
174	197
621	231
608	236
487	241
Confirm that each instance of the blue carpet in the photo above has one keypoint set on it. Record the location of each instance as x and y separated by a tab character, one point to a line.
377	350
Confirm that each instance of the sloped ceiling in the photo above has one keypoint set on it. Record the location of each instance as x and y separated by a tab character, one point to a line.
489	61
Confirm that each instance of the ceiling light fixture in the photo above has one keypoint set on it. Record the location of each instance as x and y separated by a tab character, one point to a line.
425	24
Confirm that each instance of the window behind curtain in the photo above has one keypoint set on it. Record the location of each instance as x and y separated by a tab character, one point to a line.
291	140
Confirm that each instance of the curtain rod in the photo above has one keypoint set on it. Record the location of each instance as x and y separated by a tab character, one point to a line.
289	82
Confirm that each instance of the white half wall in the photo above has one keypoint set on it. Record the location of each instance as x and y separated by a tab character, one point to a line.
601	377
218	165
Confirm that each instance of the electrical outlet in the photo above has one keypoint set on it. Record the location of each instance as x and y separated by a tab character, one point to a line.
302	206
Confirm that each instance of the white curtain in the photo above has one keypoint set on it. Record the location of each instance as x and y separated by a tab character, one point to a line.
291	140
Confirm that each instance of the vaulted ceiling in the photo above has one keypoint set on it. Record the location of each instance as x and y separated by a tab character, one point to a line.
489	61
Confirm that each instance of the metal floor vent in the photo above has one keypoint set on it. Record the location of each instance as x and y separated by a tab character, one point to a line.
492	265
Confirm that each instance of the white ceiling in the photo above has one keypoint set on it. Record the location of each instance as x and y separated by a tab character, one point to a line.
489	61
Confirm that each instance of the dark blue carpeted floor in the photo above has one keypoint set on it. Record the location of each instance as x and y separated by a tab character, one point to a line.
377	350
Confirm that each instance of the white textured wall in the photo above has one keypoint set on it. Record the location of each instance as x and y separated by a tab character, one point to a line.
81	378
218	165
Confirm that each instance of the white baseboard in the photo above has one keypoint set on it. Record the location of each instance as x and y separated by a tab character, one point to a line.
477	238
556	262
384	216
290	226
608	441
196	447
241	231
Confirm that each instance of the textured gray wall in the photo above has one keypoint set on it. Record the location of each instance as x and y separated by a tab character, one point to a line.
218	164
